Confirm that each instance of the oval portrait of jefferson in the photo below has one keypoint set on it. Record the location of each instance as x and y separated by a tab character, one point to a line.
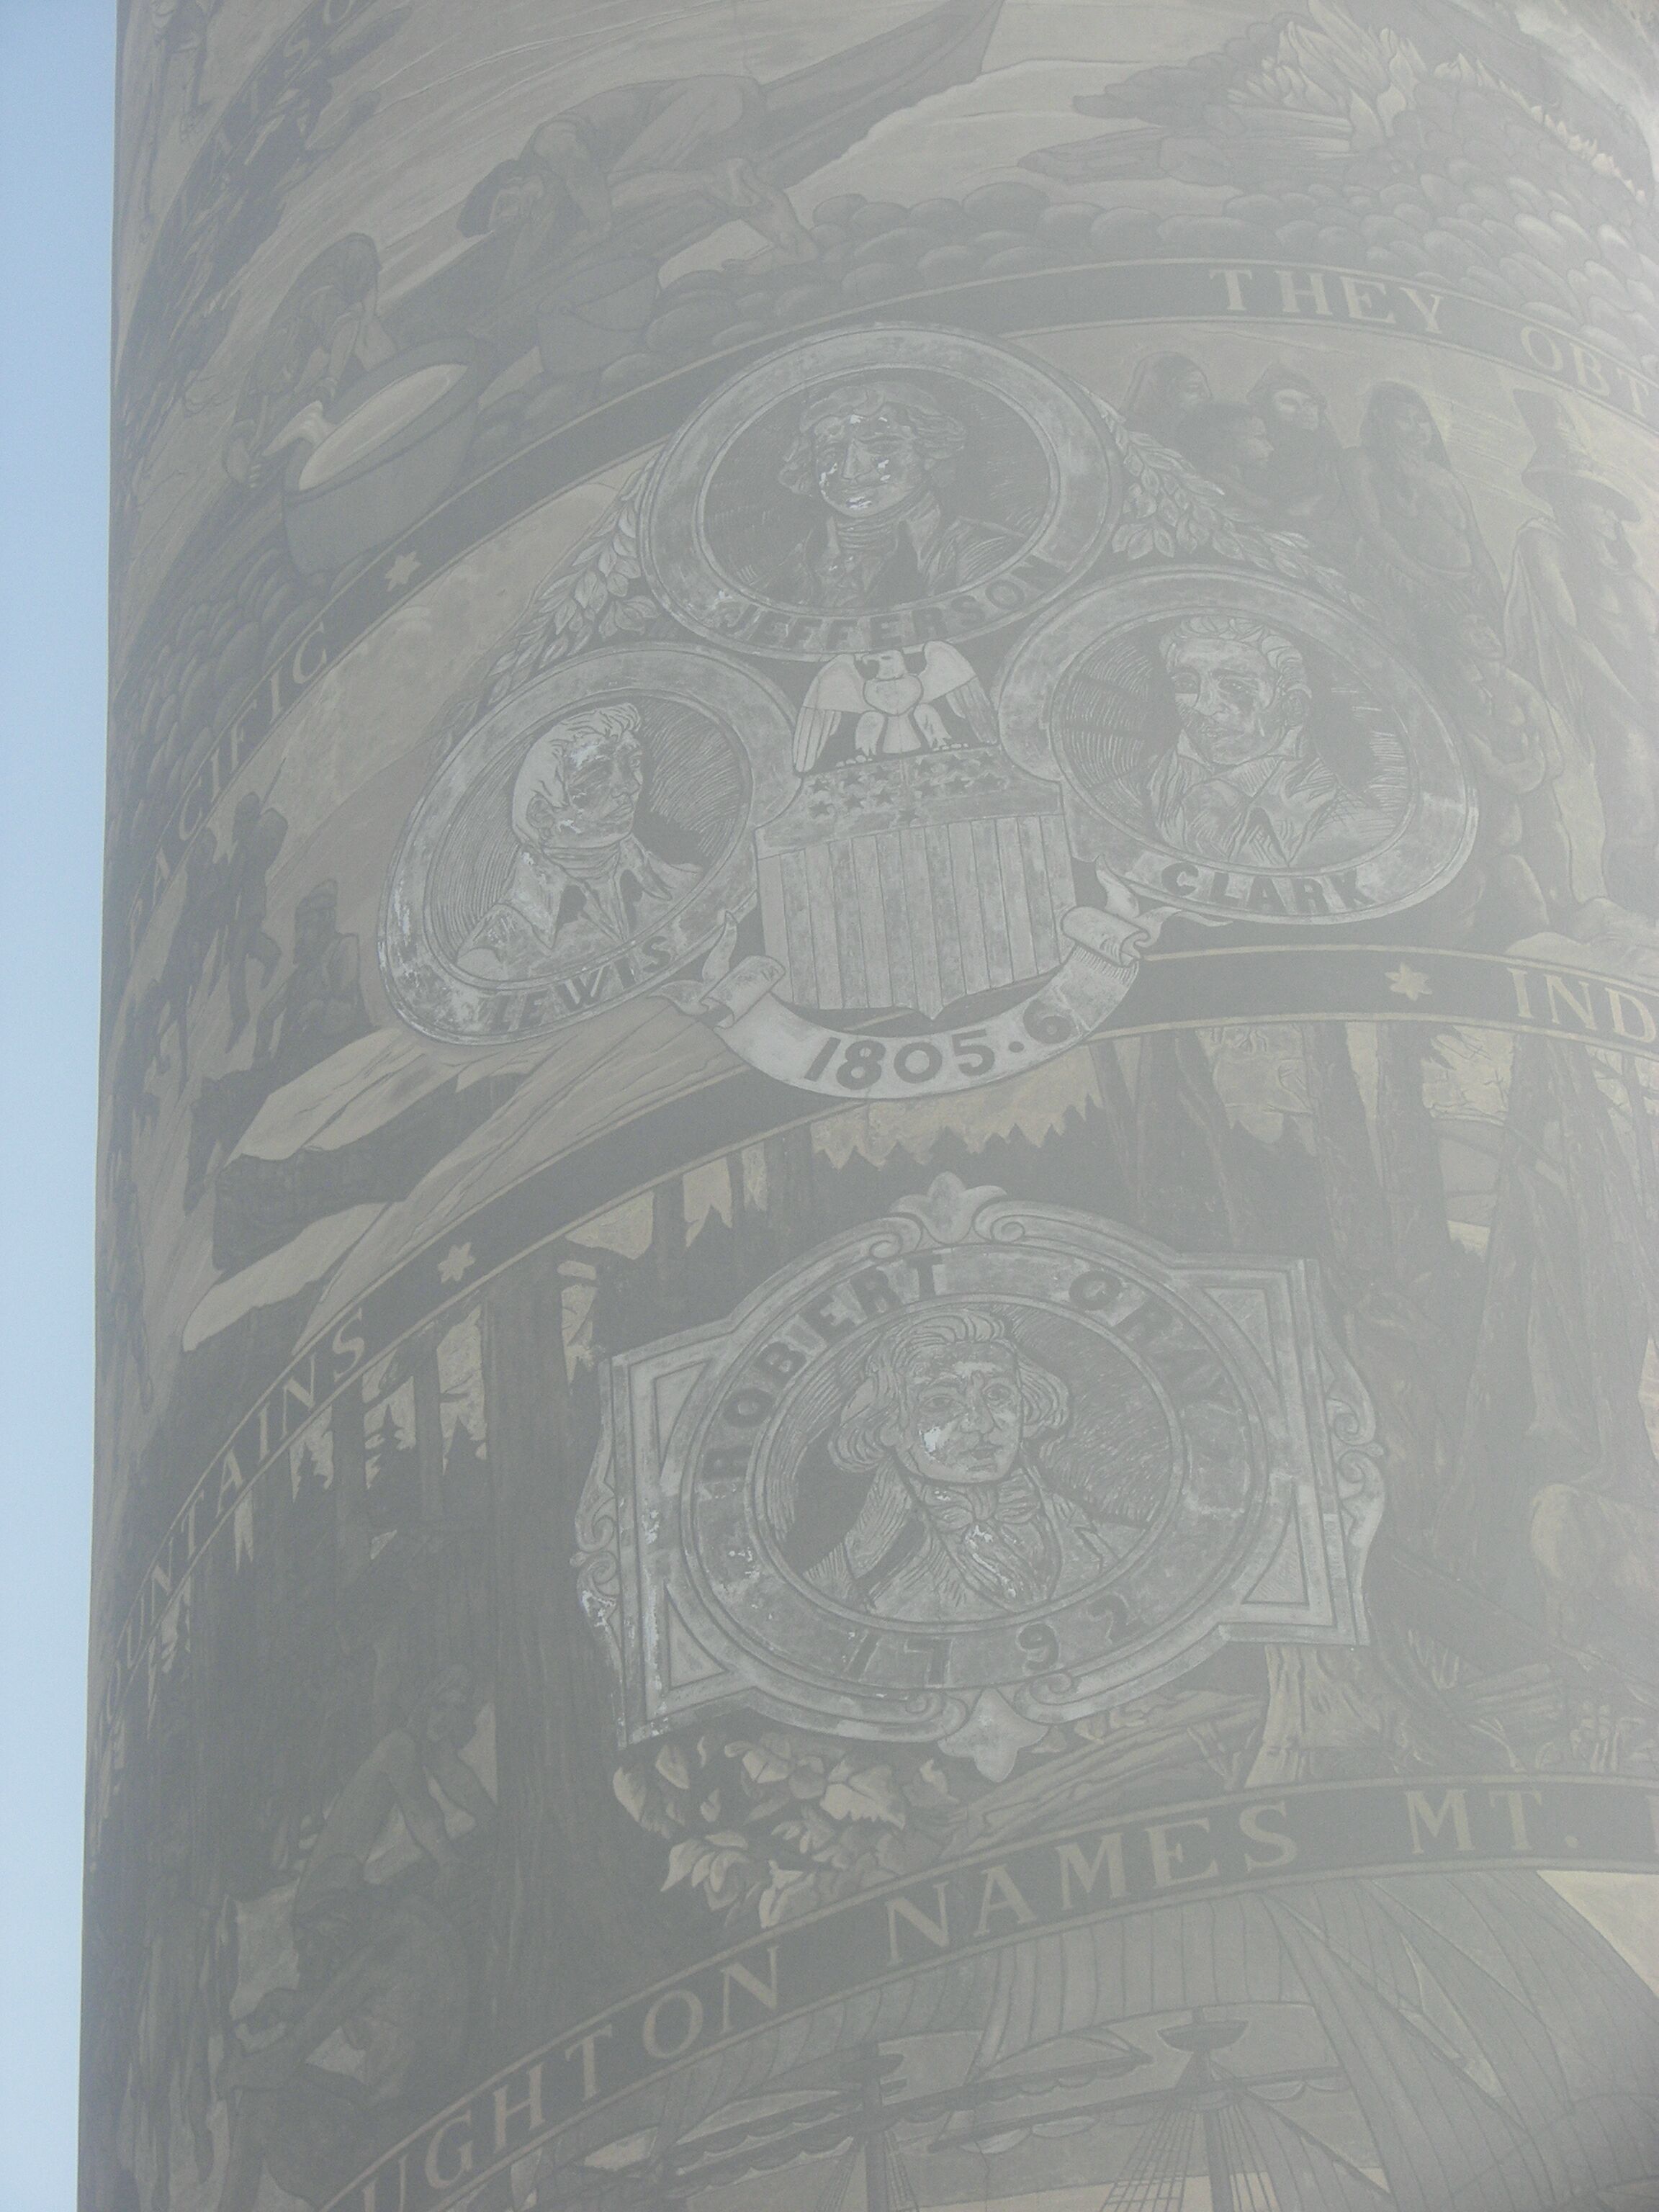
585	840
875	490
1234	746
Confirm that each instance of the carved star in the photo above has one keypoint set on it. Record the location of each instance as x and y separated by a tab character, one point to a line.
1408	982
457	1264
400	571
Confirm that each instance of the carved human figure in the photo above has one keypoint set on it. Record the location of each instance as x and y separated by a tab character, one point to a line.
611	166
319	1005
122	1330
256	832
1165	393
1421	547
179	111
398	1775
202	923
1583	626
961	1516
299	132
168	2073
385	1968
326	330
1299	484
133	1106
1229	444
585	881
874	456
1522	860
1245	782
317	1008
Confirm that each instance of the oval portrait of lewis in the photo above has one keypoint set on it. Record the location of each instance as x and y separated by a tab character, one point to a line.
1233	745
874	490
583	842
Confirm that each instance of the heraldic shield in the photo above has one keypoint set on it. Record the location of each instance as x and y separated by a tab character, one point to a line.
925	869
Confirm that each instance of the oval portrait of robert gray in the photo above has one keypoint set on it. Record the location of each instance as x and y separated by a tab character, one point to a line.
877	1491
1233	746
584	840
876	489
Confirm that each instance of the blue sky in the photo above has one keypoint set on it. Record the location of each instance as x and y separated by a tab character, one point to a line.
56	70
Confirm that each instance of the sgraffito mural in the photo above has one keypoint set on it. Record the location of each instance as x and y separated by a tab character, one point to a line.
878	1399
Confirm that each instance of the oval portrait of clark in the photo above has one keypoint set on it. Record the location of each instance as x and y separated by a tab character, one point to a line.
1239	747
874	490
580	844
970	1460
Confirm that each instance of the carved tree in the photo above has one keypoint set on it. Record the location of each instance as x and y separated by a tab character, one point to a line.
1196	1183
1569	1297
566	1926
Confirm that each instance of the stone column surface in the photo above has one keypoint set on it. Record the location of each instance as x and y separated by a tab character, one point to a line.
878	1273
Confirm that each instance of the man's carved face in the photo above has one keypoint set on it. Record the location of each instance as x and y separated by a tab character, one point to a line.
1413	429
1298	409
961	1417
866	461
1250	446
1233	705
585	793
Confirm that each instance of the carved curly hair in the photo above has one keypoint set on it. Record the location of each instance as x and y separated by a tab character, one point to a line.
901	1355
1284	659
940	437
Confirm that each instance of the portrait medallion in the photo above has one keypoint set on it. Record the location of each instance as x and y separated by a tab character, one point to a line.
875	490
584	840
1233	747
916	925
980	1467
